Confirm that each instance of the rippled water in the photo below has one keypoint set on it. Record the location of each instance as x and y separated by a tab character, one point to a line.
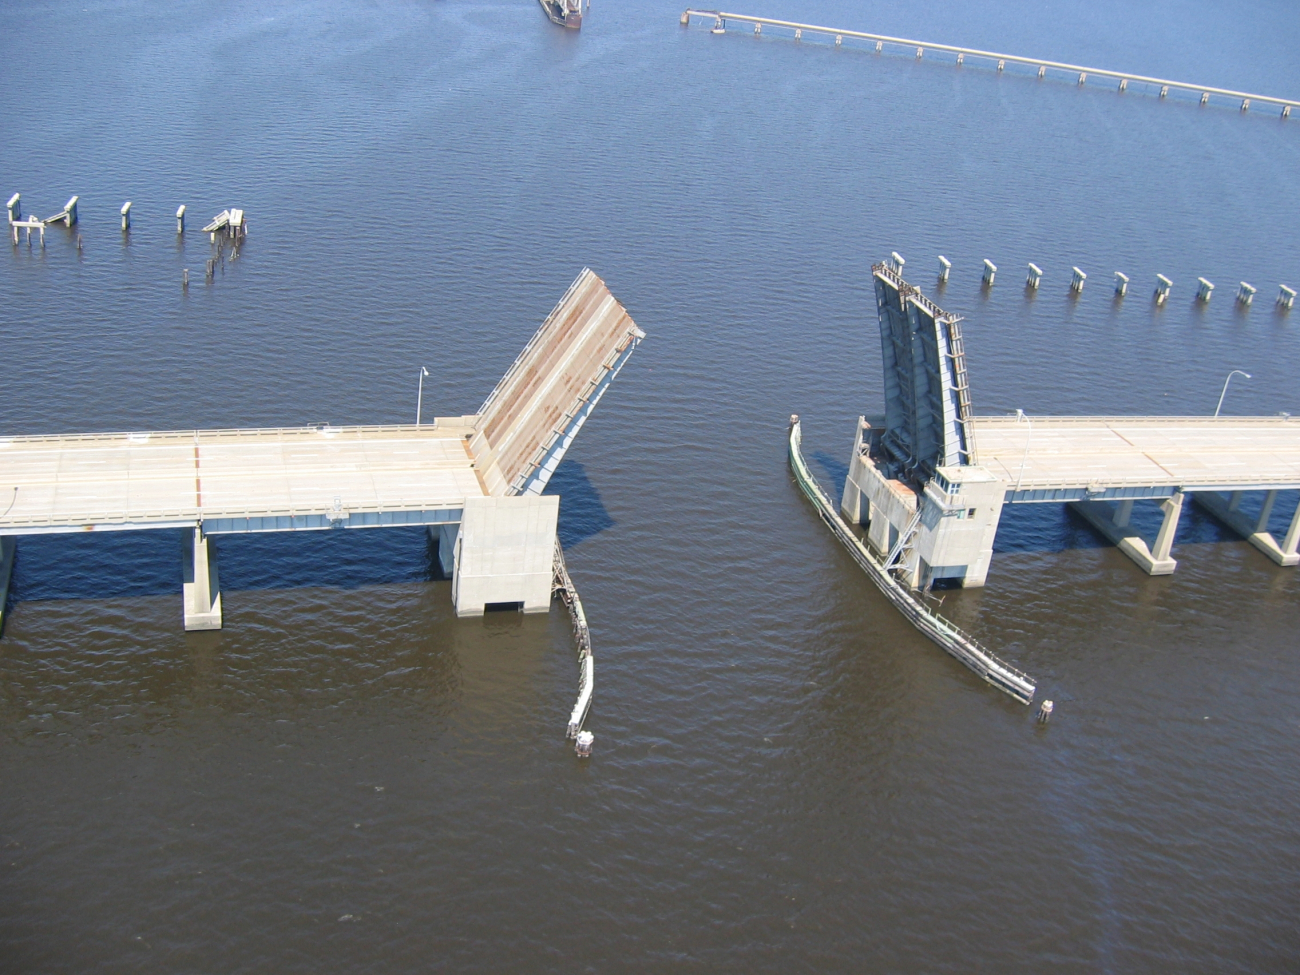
787	777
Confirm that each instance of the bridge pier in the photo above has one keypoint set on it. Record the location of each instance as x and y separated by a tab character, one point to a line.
503	552
445	536
1113	522
201	590
1255	530
8	548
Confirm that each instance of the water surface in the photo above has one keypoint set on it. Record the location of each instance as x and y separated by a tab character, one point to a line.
787	777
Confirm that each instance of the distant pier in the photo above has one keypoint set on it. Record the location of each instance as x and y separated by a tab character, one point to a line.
1080	73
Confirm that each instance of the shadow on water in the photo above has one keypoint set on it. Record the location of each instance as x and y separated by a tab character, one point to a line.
107	565
582	513
1056	527
835	469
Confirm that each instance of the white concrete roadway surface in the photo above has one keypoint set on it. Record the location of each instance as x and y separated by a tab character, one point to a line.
1205	453
177	478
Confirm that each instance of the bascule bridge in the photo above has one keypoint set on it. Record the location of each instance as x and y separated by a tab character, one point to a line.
929	478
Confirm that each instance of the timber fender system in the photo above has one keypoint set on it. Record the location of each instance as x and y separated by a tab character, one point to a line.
1005	678
564	588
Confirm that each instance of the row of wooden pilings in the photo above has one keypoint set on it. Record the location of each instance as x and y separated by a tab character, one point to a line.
223	223
229	225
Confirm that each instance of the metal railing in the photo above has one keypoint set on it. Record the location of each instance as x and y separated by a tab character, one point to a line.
425	431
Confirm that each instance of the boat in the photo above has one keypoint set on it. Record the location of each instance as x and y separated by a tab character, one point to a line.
566	13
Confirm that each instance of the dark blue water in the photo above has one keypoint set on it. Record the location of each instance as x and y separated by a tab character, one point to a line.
787	777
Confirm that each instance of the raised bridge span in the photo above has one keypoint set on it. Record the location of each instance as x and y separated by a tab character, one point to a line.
929	478
475	480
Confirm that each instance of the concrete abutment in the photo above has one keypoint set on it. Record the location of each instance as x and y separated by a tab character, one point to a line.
502	552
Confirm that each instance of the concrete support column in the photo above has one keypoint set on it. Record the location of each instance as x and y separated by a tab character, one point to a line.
1290	554
8	547
445	536
1173	509
855	506
1114	524
851	503
1265	512
1255	530
504	553
201	590
881	535
1123	513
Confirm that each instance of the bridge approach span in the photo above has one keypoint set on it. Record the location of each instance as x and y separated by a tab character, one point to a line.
482	473
1076	458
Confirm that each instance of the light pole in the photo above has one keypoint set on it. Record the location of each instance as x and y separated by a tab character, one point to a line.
1235	372
419	396
1020	415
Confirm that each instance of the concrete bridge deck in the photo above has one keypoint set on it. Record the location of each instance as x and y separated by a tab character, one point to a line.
475	480
1074	458
238	480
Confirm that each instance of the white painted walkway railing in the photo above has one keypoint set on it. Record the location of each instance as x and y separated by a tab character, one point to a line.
1124	78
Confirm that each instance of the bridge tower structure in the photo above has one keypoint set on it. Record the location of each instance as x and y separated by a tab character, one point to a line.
911	477
928	478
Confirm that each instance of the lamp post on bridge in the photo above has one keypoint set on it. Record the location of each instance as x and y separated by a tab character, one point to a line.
419	396
1235	372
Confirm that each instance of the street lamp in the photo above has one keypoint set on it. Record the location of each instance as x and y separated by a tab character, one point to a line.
1235	372
419	396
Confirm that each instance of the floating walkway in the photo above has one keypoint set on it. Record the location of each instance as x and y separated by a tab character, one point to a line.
1005	678
1074	71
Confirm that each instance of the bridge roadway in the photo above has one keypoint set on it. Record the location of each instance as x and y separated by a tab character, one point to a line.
1075	458
475	480
239	480
1090	461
